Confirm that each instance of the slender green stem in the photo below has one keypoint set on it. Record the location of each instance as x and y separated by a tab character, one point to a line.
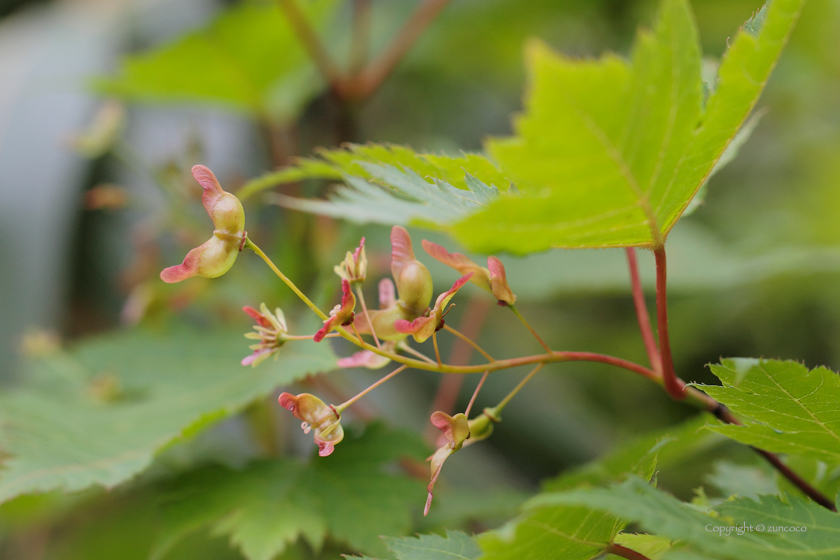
420	355
529	327
469	341
356	331
475	393
345	404
361	295
498	408
437	350
307	336
251	245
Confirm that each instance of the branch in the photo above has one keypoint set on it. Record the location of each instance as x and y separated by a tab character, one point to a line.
368	80
361	34
673	384
309	39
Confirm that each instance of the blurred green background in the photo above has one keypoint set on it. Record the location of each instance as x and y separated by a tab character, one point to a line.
87	228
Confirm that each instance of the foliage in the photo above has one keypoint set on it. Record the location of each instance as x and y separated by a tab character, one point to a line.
607	153
272	503
455	546
98	414
233	61
657	512
350	159
786	407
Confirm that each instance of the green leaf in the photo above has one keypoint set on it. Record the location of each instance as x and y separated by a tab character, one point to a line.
270	504
609	152
455	546
98	415
580	532
337	163
748	481
248	58
662	514
408	198
785	407
568	532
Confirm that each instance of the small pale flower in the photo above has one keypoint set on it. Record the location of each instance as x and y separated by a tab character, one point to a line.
354	266
493	278
456	430
341	315
215	256
270	331
318	417
424	327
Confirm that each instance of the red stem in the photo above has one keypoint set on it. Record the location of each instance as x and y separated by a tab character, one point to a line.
642	313
625	552
604	359
673	384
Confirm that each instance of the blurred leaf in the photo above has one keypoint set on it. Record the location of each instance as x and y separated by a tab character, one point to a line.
785	407
749	481
249	58
455	546
609	153
272	503
662	514
566	532
337	163
698	262
408	198
456	506
670	446
729	154
97	416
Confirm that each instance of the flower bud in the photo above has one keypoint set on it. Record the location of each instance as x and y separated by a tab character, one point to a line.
493	278
456	430
341	315
317	416
214	257
414	283
424	327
